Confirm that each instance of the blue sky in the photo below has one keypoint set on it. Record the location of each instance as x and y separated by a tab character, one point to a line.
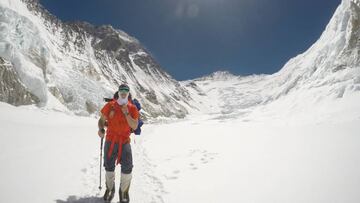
192	38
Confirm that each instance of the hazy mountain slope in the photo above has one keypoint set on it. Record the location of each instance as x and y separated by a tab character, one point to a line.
74	65
328	70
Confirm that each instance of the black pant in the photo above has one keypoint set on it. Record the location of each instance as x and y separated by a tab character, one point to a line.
126	157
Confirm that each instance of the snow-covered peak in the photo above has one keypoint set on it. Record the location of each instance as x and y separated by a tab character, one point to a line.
348	2
218	75
74	65
327	72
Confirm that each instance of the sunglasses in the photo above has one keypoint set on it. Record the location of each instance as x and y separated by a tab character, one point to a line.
123	91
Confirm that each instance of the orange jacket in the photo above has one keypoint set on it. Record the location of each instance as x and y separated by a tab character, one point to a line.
118	129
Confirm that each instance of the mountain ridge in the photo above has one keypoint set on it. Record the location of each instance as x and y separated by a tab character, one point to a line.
96	58
101	57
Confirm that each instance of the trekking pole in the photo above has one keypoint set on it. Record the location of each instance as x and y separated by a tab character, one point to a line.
101	149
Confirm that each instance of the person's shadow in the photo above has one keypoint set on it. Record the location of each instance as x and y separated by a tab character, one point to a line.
74	199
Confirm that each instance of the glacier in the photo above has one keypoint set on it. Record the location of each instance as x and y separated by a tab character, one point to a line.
291	136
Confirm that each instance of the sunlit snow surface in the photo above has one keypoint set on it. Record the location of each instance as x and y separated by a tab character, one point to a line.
50	156
288	137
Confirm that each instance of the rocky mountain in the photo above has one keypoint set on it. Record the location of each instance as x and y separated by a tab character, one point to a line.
328	70
12	90
71	66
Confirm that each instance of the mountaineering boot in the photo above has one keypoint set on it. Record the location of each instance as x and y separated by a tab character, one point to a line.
109	194
125	181
110	186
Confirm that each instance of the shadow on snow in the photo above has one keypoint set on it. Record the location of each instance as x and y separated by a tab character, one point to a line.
74	199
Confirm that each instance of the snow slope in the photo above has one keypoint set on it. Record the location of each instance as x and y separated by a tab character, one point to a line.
217	161
287	137
328	71
53	157
72	66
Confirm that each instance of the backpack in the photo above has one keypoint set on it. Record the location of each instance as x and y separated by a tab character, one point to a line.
137	131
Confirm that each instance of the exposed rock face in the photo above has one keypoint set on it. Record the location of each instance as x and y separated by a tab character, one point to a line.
78	64
12	90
